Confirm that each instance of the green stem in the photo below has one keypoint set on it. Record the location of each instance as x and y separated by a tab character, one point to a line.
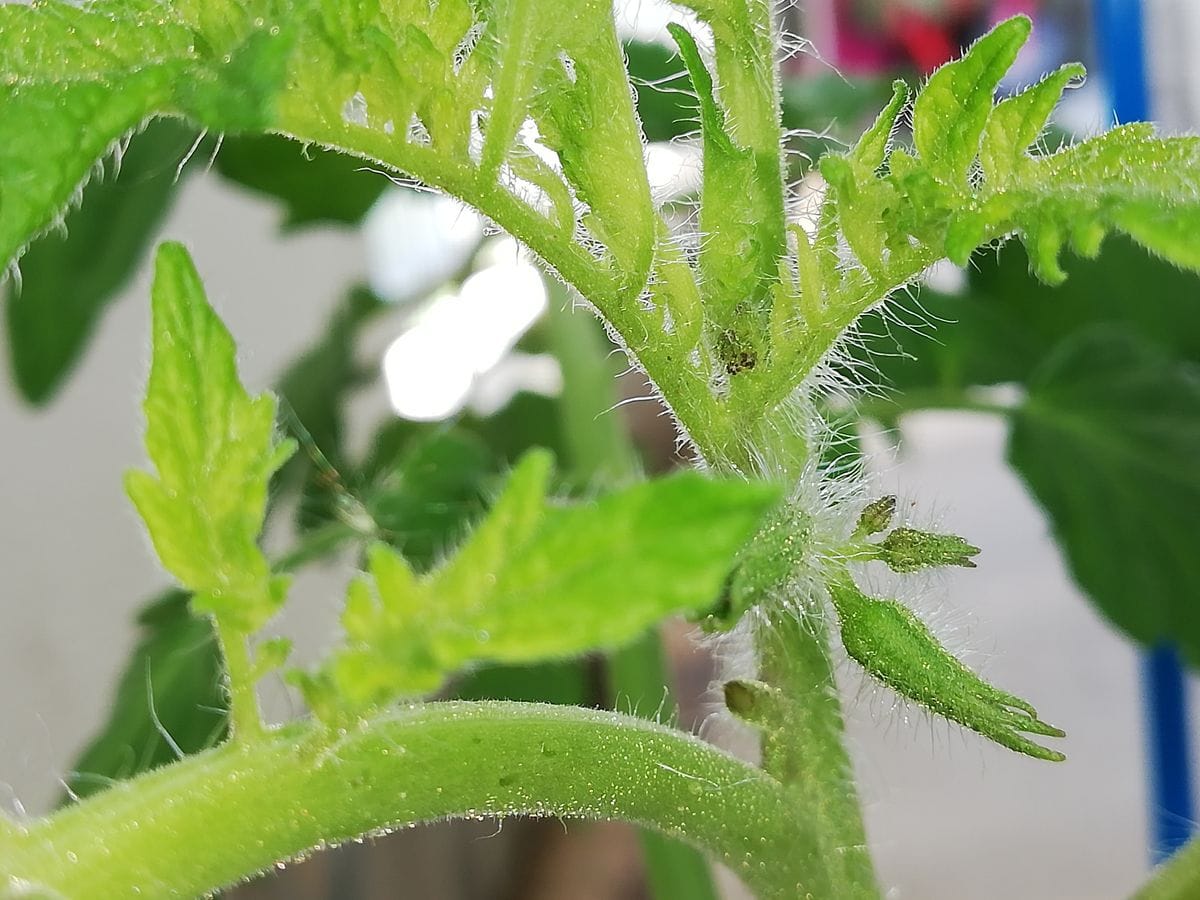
804	747
247	806
1176	879
244	715
638	677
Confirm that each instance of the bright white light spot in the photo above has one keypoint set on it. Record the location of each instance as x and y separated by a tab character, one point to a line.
674	169
945	277
424	382
538	373
647	20
433	367
415	241
354	111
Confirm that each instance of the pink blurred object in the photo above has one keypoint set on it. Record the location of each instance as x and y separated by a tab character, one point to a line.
870	38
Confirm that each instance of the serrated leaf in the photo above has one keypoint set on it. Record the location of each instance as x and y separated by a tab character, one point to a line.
950	113
1128	179
214	449
68	278
923	207
871	150
538	581
740	243
75	79
891	643
171	686
1108	440
1018	121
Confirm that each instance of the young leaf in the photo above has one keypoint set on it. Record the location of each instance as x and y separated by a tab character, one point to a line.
75	79
950	114
538	581
1018	121
214	449
871	150
1128	179
738	249
1108	440
891	643
919	208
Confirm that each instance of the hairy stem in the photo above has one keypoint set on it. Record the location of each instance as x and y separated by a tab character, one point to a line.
639	677
305	786
804	748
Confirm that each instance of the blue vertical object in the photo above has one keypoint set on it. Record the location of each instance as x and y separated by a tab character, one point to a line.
1121	45
1120	39
1168	754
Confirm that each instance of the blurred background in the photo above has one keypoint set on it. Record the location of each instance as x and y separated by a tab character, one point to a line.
400	331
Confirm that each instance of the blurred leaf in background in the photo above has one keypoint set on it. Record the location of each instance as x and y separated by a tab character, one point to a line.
169	700
1108	440
314	186
69	276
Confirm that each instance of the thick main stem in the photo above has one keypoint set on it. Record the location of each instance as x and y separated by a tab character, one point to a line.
304	786
805	749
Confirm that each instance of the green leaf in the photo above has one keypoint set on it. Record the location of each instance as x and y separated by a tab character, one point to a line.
214	449
314	186
538	581
69	277
740	243
919	208
1128	179
1108	440
891	643
1011	329
950	114
871	150
1006	322
171	686
1018	121
75	79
